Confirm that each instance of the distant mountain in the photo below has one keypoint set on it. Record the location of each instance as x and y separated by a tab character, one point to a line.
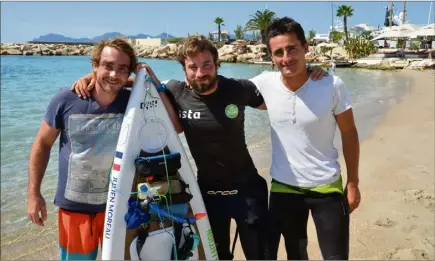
61	38
164	36
105	36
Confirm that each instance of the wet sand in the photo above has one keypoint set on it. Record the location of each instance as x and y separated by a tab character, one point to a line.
396	217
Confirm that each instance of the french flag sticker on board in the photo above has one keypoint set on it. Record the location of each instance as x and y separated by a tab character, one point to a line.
118	155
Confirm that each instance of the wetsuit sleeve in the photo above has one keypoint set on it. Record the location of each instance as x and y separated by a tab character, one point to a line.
341	97
55	110
251	94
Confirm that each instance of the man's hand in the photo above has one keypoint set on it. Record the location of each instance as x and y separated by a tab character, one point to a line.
84	85
353	196
317	73
36	206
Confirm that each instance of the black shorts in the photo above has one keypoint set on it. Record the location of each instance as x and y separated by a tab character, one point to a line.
247	204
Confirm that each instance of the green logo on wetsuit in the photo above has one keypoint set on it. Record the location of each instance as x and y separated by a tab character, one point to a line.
231	111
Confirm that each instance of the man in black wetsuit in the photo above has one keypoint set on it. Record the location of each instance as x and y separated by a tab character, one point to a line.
212	113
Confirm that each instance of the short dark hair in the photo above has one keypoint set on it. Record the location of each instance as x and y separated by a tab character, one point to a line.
284	25
193	45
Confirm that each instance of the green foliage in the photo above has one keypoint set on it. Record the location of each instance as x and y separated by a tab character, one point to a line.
260	21
367	35
220	22
218	44
345	11
359	47
325	49
337	36
175	40
239	32
210	36
415	46
311	35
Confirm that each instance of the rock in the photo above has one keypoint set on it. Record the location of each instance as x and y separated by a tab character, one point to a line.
260	48
239	51
247	57
172	49
26	47
76	52
229	58
227	49
161	51
11	52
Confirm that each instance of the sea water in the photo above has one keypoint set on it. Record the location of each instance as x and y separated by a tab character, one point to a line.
29	82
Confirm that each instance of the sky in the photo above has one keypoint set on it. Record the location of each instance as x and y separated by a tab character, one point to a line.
23	21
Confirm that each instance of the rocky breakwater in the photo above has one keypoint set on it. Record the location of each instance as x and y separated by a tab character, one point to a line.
45	49
237	52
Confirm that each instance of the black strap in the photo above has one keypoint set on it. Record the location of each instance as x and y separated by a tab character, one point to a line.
185	251
177	234
234	242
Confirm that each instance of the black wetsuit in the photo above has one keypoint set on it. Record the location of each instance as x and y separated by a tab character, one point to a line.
231	186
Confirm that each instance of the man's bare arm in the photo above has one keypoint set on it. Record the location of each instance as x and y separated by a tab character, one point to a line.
350	143
40	155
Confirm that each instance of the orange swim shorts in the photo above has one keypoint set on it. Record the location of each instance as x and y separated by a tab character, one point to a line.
79	235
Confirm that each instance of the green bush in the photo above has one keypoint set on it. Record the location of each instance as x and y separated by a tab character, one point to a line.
415	46
175	40
219	44
359	47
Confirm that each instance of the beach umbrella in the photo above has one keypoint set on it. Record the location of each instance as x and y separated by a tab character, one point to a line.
400	31
363	27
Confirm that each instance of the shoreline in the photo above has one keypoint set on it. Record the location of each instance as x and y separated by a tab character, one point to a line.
372	223
238	52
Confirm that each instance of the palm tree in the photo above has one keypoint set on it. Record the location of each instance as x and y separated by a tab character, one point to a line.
239	32
345	11
219	21
260	21
311	35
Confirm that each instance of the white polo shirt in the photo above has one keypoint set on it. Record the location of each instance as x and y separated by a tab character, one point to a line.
303	128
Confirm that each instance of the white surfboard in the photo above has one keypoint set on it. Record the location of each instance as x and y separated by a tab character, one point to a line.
147	127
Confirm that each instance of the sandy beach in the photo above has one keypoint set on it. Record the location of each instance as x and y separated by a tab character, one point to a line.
396	217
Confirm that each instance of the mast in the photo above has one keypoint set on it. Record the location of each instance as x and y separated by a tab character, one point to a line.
430	11
332	16
391	13
404	12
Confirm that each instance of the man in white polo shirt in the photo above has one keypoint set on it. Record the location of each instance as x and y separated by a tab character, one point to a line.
304	115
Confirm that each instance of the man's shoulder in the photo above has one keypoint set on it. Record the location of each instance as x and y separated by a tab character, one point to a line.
174	83
235	82
65	95
175	86
266	78
266	75
329	82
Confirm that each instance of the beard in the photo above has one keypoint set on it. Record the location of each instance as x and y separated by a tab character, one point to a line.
204	87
